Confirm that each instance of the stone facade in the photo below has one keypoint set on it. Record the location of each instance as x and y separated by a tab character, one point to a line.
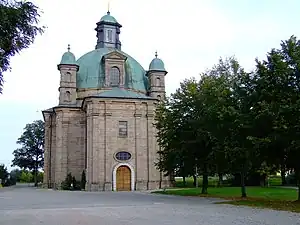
91	125
87	138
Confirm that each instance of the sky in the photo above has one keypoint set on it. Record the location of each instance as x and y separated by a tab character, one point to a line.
189	36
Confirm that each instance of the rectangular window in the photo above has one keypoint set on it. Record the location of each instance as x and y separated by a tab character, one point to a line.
123	129
109	36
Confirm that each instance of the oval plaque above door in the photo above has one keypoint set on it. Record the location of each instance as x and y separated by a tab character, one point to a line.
123	156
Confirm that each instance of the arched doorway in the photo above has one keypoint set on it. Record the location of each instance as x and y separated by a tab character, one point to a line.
123	178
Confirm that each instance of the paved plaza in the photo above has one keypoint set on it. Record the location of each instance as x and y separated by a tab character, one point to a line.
29	206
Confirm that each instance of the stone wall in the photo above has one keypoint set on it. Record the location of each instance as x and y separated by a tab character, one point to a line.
89	138
50	149
103	141
68	154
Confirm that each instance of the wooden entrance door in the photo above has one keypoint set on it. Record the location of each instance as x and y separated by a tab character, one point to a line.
123	179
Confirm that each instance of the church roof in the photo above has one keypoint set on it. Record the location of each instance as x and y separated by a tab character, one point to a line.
108	18
91	72
68	58
122	93
157	64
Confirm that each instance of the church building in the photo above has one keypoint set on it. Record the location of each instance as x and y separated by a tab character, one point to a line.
103	123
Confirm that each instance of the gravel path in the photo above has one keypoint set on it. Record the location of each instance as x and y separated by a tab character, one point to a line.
28	206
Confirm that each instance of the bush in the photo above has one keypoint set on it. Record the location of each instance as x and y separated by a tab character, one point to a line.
9	182
66	184
26	177
70	183
83	180
291	179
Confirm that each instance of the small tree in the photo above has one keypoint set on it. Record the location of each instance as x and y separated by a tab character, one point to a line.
31	154
3	174
66	184
83	180
26	177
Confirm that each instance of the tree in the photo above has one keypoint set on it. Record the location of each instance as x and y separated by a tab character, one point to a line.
26	177
16	173
3	174
83	180
278	106
18	29
31	154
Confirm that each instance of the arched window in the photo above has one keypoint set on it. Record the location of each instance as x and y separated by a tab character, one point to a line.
68	77
157	82
68	96
114	75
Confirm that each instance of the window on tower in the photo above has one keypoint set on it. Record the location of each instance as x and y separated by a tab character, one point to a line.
114	75
67	96
158	84
109	36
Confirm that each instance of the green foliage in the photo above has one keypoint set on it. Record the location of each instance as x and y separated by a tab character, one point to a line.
7	179
26	177
235	122
31	154
67	183
16	173
70	183
18	28
3	174
83	180
40	177
291	179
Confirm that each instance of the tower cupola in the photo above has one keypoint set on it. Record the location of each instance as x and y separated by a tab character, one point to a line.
108	31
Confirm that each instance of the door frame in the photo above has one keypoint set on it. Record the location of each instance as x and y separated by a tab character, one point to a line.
114	175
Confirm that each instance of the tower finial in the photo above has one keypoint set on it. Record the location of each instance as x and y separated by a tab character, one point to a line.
69	47
156	54
108	6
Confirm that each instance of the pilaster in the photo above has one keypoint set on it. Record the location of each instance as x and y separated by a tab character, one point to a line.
47	158
106	132
153	173
59	175
89	143
141	140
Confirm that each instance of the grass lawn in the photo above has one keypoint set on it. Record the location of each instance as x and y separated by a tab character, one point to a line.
274	197
213	182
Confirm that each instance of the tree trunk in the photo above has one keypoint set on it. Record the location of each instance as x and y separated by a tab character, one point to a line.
184	181
297	172
205	180
243	186
282	173
298	190
263	178
204	184
35	177
220	181
195	179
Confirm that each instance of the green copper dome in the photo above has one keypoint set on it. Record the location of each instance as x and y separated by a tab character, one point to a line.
157	64
108	18
68	58
91	72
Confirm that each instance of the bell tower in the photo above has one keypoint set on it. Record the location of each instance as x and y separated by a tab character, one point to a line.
68	69
108	31
156	75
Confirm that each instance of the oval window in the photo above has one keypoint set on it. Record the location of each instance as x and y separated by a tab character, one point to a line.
123	156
